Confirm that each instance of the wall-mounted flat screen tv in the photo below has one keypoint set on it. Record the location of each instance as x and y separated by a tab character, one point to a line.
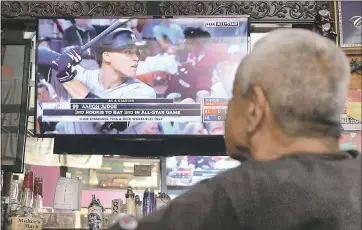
138	76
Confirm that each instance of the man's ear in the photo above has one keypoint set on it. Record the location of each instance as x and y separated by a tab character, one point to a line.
256	109
106	57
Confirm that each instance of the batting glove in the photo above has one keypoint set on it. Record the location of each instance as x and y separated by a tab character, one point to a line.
65	64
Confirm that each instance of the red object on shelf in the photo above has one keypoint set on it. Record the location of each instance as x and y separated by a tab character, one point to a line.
38	186
28	180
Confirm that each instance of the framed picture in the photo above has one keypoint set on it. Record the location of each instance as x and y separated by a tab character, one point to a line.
356	71
349	26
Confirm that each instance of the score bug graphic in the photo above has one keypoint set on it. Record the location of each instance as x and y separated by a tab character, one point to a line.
214	109
222	24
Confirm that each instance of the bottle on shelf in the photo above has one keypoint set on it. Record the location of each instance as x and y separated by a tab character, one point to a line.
130	207
104	218
99	202
149	201
38	196
117	206
139	212
14	194
24	216
162	200
14	189
95	214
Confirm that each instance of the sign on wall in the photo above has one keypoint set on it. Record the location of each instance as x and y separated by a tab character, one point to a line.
350	24
351	118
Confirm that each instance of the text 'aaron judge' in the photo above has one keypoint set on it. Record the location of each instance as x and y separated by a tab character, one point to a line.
95	106
129	112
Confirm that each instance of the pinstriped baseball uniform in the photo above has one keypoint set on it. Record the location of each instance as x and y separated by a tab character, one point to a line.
132	88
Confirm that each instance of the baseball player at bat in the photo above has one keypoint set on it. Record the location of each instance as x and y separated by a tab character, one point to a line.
117	55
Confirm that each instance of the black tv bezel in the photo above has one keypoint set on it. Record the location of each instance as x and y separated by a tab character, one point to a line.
128	137
139	147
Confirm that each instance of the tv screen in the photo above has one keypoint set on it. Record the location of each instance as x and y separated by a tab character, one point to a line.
145	76
184	171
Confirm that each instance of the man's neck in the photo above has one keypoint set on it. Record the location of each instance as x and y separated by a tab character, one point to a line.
275	148
110	78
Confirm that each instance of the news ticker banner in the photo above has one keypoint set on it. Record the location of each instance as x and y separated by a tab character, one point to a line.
214	109
88	110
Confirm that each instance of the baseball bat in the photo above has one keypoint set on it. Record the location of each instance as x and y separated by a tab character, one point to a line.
59	27
112	27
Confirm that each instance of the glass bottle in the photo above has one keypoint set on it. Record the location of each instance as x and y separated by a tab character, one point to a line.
104	219
95	215
24	217
14	194
139	211
130	207
38	196
14	190
162	199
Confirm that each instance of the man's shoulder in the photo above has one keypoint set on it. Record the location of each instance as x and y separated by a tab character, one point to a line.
147	89
293	168
253	172
143	88
255	178
86	72
141	84
86	76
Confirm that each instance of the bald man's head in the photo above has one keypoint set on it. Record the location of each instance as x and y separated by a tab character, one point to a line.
293	78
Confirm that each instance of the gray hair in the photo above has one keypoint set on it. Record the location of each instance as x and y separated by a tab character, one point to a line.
304	76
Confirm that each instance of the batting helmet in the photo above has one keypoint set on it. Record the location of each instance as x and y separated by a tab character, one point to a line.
117	40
